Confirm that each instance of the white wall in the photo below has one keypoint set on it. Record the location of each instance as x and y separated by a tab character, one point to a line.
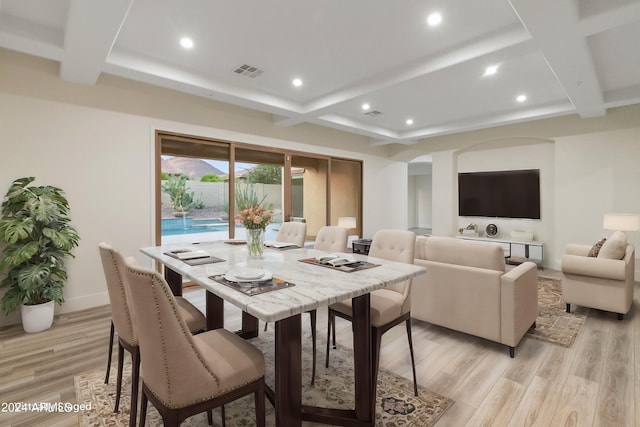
595	174
533	156
420	196
103	158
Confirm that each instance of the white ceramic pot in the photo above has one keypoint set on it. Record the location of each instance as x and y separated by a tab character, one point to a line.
37	318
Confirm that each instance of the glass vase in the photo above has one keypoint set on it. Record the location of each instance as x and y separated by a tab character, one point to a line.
255	242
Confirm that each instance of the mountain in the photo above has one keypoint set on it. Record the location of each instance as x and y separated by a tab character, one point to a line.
194	168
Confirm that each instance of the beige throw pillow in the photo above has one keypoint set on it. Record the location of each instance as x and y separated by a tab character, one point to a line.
615	246
596	248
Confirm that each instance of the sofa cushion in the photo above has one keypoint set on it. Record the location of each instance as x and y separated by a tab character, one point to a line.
469	253
596	248
615	246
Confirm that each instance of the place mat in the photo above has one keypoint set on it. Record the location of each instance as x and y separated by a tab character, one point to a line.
235	242
349	268
197	260
253	288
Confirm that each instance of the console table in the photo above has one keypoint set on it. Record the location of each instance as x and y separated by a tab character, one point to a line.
527	250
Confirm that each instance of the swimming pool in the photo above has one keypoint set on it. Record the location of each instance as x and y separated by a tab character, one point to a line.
177	226
186	226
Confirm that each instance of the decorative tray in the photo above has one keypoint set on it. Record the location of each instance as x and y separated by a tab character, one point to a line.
253	288
347	268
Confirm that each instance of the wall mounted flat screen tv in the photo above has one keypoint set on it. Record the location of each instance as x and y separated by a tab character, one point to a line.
501	194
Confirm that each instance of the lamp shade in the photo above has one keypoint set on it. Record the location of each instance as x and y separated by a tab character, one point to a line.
347	222
621	222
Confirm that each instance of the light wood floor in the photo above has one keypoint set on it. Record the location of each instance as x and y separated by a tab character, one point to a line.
594	383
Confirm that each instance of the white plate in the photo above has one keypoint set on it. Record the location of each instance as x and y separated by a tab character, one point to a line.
248	273
245	276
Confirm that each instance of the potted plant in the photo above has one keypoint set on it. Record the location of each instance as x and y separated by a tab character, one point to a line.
35	229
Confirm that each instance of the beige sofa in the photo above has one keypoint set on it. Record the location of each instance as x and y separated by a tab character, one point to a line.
467	289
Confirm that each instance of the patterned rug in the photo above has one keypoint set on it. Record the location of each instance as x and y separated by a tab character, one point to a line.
554	324
396	405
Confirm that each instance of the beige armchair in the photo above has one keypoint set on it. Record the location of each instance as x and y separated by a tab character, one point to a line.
599	282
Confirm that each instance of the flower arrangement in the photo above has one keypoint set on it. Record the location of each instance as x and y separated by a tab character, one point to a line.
254	217
251	215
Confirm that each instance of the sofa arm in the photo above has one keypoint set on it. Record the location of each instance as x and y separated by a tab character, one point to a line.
519	302
604	268
573	249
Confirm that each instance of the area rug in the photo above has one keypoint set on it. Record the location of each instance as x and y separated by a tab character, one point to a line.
396	405
554	324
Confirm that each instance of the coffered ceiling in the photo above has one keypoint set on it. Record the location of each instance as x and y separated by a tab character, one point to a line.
418	80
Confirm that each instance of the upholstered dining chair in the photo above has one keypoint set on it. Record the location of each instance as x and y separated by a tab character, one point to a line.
121	320
184	374
292	232
329	239
389	306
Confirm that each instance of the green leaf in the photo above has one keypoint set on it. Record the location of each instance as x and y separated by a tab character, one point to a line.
15	229
16	255
33	277
12	300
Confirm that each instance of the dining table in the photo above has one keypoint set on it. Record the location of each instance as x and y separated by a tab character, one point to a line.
299	285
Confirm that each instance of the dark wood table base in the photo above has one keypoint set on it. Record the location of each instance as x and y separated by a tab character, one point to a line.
288	364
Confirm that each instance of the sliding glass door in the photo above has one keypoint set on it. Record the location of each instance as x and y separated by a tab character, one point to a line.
196	180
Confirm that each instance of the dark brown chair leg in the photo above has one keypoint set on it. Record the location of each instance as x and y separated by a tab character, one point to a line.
210	418
326	360
512	352
333	324
135	381
260	405
106	378
224	416
312	317
413	361
376	338
143	409
568	308
119	380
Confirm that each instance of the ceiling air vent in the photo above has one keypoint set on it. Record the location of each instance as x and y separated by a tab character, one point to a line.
248	70
373	113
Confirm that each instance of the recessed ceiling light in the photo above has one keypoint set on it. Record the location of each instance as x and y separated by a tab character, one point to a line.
521	98
409	121
491	70
297	82
186	43
365	106
434	19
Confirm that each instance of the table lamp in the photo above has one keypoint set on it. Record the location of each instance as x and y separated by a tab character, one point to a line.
621	222
347	222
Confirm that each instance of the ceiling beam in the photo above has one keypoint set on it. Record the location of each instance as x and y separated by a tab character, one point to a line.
91	30
511	37
554	26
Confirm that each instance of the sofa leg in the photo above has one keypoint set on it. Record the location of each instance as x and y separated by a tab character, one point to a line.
568	308
533	325
512	351
620	316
